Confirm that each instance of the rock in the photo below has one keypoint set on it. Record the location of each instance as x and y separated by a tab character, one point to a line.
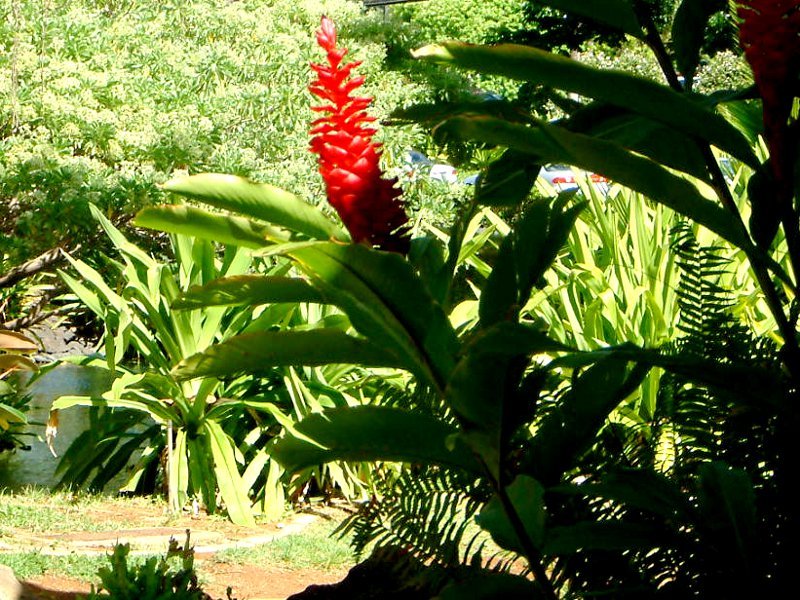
10	588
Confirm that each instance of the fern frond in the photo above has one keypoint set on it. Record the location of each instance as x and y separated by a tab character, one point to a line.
428	512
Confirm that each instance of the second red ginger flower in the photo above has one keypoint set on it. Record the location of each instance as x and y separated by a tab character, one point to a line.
368	204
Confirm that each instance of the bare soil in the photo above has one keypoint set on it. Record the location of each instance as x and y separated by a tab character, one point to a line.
146	532
248	582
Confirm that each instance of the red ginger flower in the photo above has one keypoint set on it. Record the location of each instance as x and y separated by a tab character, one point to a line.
770	35
368	204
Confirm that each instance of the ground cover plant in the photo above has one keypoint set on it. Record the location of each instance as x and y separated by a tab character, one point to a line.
505	423
104	101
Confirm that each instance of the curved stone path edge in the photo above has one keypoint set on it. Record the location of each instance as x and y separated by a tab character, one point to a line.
149	541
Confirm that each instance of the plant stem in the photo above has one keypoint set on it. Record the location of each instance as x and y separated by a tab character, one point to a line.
535	559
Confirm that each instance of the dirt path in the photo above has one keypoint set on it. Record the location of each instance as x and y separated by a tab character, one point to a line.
144	528
248	582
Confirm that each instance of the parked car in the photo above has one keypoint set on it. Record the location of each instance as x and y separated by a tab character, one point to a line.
416	164
562	177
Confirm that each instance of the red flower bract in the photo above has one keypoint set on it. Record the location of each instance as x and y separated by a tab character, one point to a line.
369	205
770	35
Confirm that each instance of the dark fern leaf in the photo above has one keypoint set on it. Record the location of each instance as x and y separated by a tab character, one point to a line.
427	511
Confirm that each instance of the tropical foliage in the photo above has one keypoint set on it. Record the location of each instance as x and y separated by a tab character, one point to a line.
206	428
529	433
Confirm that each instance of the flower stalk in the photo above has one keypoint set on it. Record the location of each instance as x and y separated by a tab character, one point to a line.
368	203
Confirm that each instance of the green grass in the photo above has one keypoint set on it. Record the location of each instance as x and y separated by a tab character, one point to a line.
316	547
39	510
32	564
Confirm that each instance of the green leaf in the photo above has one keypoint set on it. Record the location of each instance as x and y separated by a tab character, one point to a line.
640	488
499	296
178	477
513	339
490	585
688	28
9	414
121	243
257	352
527	498
764	218
508	180
476	389
654	140
617	88
372	433
618	14
231	486
728	510
258	201
540	235
571	426
601	535
386	302
557	145
248	290
754	385
217	227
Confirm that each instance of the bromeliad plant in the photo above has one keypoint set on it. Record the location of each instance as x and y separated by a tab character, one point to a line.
203	429
510	426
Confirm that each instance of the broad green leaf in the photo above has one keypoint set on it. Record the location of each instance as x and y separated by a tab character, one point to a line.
498	300
478	388
513	339
688	29
386	302
248	290
373	433
222	228
539	236
618	14
527	498
258	201
614	87
728	510
159	413
201	471
432	113
231	487
661	143
764	219
508	180
257	352
602	535
254	468
746	116
557	145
